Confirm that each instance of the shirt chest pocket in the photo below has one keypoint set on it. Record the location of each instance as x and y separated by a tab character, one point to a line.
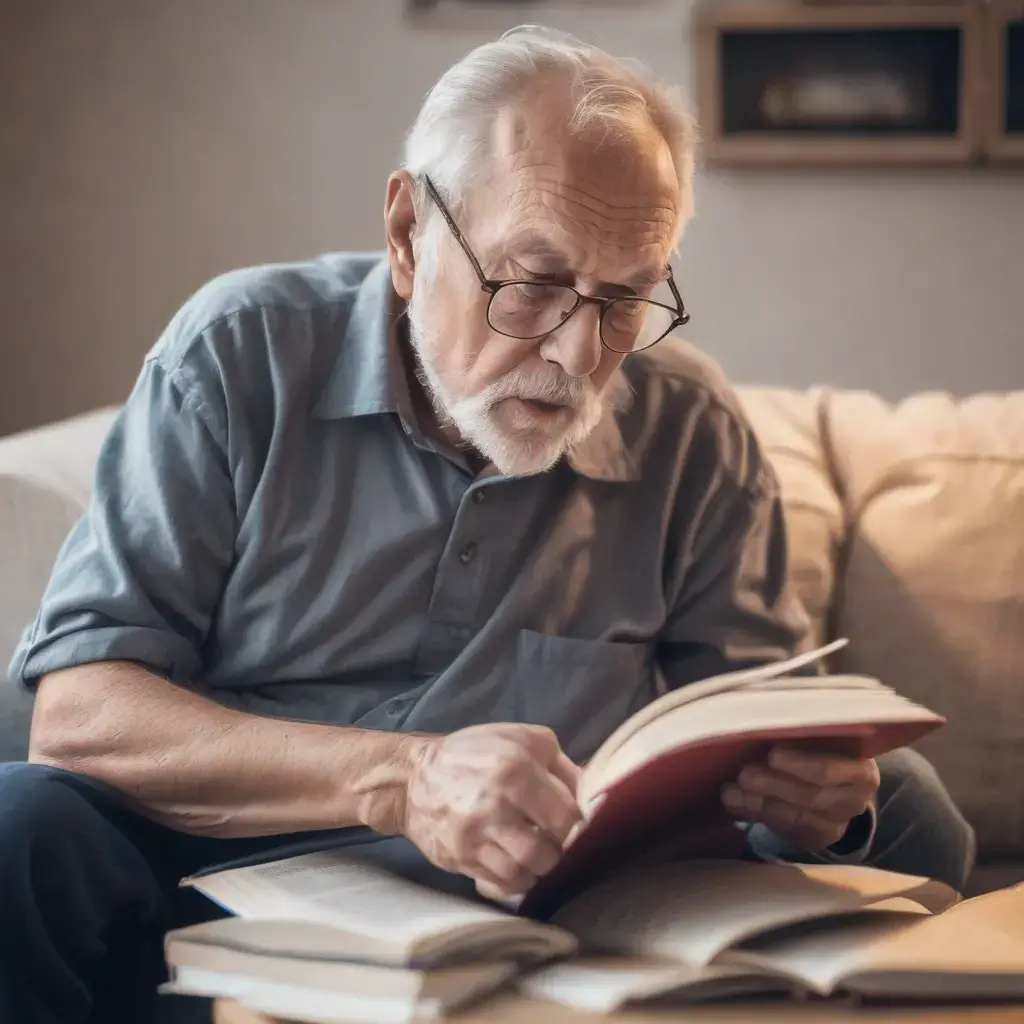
582	689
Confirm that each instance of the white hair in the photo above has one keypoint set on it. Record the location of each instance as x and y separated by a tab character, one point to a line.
451	139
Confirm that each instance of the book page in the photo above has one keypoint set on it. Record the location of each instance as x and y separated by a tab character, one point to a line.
709	687
605	984
353	979
341	890
901	903
891	951
284	1001
694	910
813	704
1002	910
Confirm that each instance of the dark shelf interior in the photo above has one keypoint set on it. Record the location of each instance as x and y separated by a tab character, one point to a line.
877	82
1014	112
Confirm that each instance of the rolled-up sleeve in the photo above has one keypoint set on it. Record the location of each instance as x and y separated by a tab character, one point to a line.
140	574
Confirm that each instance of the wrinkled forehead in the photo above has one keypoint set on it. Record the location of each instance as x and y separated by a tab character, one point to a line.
606	208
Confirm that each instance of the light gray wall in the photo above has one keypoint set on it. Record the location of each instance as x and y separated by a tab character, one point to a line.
148	144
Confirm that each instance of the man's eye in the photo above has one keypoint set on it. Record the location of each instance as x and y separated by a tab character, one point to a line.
528	291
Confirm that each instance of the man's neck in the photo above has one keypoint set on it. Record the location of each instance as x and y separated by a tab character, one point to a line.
429	424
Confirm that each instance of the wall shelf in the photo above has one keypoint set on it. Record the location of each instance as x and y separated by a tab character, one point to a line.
1004	106
819	82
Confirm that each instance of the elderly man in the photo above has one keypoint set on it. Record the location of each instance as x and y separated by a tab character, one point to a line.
385	547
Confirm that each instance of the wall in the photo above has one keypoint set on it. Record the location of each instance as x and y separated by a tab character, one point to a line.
148	144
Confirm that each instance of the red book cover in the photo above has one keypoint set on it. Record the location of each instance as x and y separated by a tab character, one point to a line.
670	807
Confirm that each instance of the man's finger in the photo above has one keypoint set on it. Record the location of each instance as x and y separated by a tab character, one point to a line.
504	873
835	803
824	769
566	770
493	892
543	744
490	885
546	801
798	824
530	848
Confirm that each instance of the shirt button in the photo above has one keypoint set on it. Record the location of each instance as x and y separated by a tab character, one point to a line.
478	497
395	706
467	554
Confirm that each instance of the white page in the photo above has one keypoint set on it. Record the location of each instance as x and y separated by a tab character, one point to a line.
745	711
605	984
341	890
900	903
709	687
1002	910
893	943
299	1003
337	976
692	911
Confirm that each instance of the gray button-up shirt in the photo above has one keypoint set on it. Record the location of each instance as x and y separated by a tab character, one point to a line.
270	527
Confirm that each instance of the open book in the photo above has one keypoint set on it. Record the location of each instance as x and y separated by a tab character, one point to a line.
329	937
340	906
332	937
899	947
666	765
650	796
211	964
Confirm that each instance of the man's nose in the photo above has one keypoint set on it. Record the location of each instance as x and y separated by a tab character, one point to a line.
576	345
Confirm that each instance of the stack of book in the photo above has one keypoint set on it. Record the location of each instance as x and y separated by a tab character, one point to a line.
635	911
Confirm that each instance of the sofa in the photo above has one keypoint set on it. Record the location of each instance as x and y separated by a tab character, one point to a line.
906	526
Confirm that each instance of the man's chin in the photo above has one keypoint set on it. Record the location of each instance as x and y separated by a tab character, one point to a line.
520	453
521	438
527	464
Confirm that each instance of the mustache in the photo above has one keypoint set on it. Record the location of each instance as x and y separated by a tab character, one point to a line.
574	392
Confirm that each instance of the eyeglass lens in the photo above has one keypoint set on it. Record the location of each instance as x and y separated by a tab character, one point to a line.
525	309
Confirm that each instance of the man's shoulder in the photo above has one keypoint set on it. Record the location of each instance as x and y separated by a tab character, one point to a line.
675	376
234	308
686	400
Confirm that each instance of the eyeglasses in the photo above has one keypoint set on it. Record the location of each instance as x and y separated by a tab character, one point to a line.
532	309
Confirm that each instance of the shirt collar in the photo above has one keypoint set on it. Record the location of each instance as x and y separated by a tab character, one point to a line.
367	379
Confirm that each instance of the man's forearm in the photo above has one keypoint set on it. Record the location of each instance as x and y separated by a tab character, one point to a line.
198	767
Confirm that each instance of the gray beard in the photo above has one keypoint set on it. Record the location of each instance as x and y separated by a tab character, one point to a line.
471	417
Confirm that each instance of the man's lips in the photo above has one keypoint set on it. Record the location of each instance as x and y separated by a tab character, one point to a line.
537	403
538	408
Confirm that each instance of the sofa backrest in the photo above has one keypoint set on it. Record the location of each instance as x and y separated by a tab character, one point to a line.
911	517
45	482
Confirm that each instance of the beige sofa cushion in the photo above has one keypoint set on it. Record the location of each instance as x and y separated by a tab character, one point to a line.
932	595
45	482
788	426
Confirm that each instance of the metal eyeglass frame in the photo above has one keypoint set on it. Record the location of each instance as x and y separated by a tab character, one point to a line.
679	314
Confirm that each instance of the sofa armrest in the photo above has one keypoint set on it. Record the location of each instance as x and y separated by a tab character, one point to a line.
45	483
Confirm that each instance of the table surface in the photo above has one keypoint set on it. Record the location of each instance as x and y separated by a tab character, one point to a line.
509	1008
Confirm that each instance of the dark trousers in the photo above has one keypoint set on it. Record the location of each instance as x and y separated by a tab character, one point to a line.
88	888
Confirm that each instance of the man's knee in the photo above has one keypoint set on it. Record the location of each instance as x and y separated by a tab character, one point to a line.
48	815
920	828
34	804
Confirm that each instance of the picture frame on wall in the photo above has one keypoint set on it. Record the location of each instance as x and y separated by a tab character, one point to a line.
490	14
839	83
1004	55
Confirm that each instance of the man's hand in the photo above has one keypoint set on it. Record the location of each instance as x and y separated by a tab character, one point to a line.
494	802
809	799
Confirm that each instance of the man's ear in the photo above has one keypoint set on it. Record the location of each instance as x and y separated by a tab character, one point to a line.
400	224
